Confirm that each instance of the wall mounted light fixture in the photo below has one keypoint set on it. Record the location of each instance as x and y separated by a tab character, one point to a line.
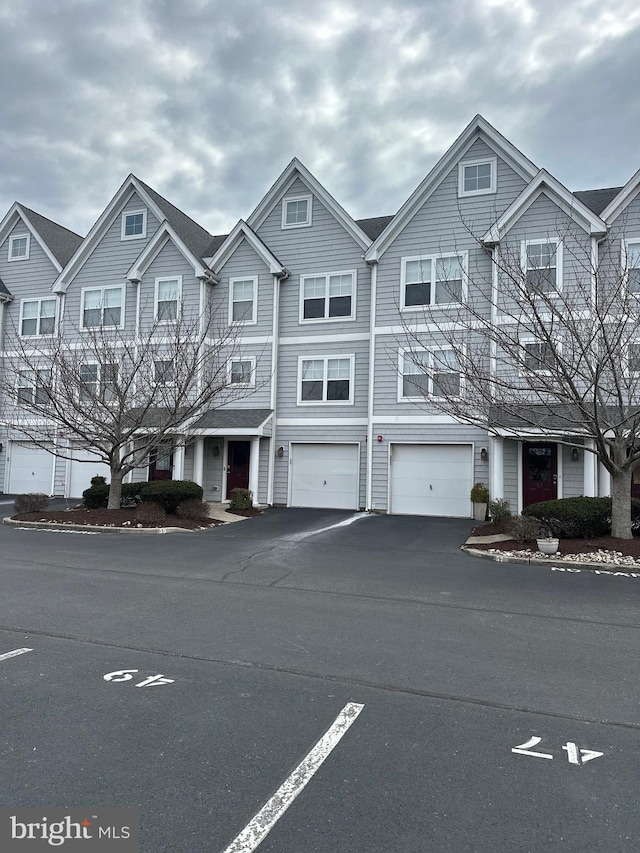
484	454
216	450
575	454
280	452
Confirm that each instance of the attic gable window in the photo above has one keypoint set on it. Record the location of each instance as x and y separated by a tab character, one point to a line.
19	247
477	177
296	211
134	225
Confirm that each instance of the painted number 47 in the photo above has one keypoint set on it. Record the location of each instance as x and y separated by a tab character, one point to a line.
574	754
127	675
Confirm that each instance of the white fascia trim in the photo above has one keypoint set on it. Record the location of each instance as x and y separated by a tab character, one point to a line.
103	223
559	194
294	169
535	432
242	340
324	339
321	422
392	420
417	328
231	431
163	235
243	232
626	195
478	125
15	213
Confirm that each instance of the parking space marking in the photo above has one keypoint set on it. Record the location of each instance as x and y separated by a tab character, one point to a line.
14	653
263	822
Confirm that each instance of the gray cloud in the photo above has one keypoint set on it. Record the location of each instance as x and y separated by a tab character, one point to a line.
208	101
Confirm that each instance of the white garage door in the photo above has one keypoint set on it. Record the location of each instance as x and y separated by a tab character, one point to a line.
84	466
30	469
325	475
431	479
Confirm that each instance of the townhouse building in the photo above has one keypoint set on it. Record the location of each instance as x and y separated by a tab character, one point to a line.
325	408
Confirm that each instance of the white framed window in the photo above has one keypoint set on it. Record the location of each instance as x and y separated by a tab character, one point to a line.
102	307
433	280
631	265
327	379
164	372
19	247
134	225
542	265
31	387
537	356
98	382
37	317
331	296
242	372
478	177
242	300
296	211
168	296
428	373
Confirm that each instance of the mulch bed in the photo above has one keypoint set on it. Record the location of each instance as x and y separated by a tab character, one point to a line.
626	547
251	512
132	518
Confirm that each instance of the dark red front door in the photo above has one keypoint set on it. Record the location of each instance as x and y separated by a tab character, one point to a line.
238	465
161	463
539	472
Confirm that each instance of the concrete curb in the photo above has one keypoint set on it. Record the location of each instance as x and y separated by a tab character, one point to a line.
552	560
94	528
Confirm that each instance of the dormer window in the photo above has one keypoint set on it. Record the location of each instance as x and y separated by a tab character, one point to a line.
296	211
477	177
134	225
19	247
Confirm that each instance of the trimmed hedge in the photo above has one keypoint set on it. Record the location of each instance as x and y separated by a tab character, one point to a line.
97	497
574	517
241	499
170	493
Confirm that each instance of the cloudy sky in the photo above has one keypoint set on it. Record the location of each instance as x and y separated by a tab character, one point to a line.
208	100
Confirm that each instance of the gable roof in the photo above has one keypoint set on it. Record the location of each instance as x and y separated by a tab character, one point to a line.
476	128
4	293
597	200
626	195
297	169
243	232
57	243
374	226
567	201
164	235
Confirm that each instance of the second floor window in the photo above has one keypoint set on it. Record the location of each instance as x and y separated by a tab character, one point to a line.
167	298
542	263
31	387
328	297
433	280
538	356
164	372
243	300
434	373
97	382
38	317
633	266
634	358
241	372
326	380
102	306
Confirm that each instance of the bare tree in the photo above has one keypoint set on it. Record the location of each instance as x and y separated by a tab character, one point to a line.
523	351
119	396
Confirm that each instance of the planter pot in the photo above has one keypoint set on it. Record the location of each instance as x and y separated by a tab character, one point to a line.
548	546
479	512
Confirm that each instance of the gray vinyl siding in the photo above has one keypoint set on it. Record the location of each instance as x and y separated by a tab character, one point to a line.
188	463
323	247
169	263
319	435
287	405
625	227
108	264
512	451
263	479
422	434
213	470
4	438
572	473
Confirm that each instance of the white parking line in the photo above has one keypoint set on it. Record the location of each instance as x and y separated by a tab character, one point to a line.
296	537
14	653
263	822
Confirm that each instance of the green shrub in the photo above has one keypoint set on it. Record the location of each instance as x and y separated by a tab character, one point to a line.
97	497
479	494
499	509
98	480
573	517
31	502
241	499
524	528
170	493
196	510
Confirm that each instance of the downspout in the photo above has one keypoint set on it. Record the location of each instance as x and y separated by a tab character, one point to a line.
369	505
275	354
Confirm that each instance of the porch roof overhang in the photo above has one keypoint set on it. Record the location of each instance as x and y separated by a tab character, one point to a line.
561	420
231	422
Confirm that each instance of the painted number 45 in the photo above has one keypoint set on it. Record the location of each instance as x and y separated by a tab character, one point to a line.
574	754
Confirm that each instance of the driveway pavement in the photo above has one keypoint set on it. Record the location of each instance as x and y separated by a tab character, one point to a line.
263	632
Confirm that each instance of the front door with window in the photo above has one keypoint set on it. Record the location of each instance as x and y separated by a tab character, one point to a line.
539	472
238	465
161	463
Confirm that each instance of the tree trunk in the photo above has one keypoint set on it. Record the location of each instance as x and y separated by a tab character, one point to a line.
115	490
621	504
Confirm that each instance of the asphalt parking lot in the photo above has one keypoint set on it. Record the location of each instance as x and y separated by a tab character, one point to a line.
192	676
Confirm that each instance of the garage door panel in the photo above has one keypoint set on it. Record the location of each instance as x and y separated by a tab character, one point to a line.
31	469
84	466
325	476
431	479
